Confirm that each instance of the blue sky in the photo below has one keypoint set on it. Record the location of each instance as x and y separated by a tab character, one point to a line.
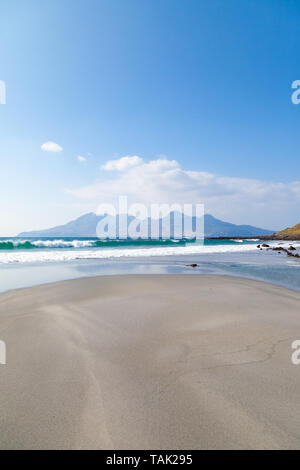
204	83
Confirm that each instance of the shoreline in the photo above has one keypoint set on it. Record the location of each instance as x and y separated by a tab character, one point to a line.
192	273
257	264
151	361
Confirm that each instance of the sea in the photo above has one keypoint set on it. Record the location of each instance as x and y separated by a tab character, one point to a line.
33	261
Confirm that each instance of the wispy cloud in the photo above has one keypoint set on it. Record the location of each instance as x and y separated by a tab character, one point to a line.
240	200
51	147
81	159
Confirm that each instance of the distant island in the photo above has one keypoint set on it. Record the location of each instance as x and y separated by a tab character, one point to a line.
85	226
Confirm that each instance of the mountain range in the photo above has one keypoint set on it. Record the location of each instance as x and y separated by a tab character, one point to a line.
85	226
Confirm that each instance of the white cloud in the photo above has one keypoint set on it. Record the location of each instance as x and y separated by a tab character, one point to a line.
122	164
81	159
51	147
239	200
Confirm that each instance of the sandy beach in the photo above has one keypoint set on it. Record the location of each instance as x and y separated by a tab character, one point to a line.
150	362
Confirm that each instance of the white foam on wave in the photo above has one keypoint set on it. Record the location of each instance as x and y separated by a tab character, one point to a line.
51	243
57	256
63	243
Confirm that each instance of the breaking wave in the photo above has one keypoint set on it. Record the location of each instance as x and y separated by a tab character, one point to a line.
75	244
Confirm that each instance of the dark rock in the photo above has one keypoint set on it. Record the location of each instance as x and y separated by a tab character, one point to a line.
292	248
264	245
280	249
193	265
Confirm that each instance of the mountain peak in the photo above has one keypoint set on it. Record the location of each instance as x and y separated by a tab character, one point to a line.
85	226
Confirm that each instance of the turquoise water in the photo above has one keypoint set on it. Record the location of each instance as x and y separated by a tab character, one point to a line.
7	244
25	263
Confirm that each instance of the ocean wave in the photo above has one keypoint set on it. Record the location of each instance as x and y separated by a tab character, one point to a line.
72	255
76	244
